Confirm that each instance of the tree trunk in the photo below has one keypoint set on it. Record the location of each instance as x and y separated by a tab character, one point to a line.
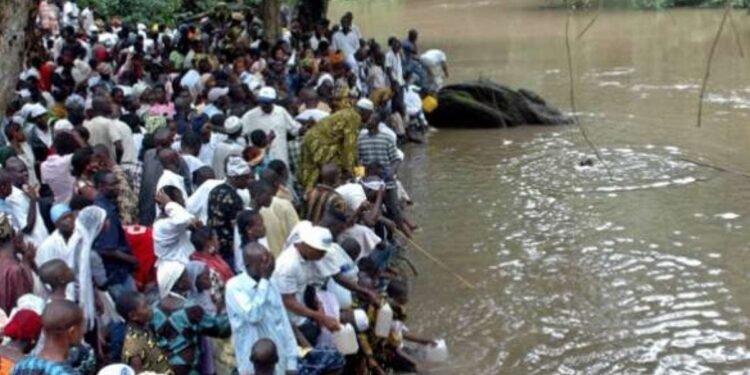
271	14
17	27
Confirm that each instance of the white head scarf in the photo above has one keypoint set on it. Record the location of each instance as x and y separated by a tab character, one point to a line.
88	225
203	298
167	274
117	369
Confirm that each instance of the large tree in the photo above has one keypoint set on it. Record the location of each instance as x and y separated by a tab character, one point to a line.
271	14
17	38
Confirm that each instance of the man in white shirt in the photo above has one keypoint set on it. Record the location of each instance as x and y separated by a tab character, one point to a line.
347	40
394	63
437	62
256	311
23	202
56	245
204	182
233	145
170	162
269	117
71	13
171	229
300	266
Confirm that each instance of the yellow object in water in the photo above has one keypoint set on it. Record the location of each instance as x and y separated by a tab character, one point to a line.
429	103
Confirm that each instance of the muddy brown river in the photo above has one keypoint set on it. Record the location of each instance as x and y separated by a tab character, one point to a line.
645	271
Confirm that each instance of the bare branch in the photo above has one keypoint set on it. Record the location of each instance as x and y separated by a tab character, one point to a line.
710	60
571	77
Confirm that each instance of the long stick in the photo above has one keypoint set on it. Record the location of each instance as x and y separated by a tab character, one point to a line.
436	261
710	61
571	77
736	36
593	20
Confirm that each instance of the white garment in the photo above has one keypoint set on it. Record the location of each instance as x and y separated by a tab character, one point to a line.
221	153
197	204
193	163
169	178
293	274
255	310
394	62
172	235
45	137
353	193
53	247
27	157
433	57
348	43
88	225
364	235
70	14
20	204
347	269
282	124
206	153
129	155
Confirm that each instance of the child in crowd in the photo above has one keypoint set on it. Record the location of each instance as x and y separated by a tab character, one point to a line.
56	276
140	350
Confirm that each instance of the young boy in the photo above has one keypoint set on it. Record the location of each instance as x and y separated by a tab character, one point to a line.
140	350
264	357
56	275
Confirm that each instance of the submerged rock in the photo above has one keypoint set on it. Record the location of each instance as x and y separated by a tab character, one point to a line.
486	104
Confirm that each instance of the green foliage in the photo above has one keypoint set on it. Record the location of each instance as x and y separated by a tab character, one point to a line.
132	11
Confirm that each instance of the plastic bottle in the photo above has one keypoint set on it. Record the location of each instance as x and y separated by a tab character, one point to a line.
437	353
384	321
346	340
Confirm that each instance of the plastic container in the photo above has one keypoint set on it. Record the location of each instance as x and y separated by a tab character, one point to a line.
437	353
384	321
346	340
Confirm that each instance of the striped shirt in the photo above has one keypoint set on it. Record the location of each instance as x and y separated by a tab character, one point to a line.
38	366
376	148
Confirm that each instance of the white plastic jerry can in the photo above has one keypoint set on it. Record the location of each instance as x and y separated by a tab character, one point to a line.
384	321
346	340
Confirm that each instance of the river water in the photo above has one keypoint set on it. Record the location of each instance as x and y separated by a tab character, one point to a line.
640	270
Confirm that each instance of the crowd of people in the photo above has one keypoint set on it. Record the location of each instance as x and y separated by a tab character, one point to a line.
203	200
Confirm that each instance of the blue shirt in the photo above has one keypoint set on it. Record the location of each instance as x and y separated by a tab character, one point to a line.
38	366
112	237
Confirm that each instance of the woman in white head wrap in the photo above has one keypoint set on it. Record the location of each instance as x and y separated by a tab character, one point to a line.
178	324
89	223
168	273
200	284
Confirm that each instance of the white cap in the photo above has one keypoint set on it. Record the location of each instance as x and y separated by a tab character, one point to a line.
267	94
35	110
318	238
366	104
236	166
217	92
116	369
232	125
